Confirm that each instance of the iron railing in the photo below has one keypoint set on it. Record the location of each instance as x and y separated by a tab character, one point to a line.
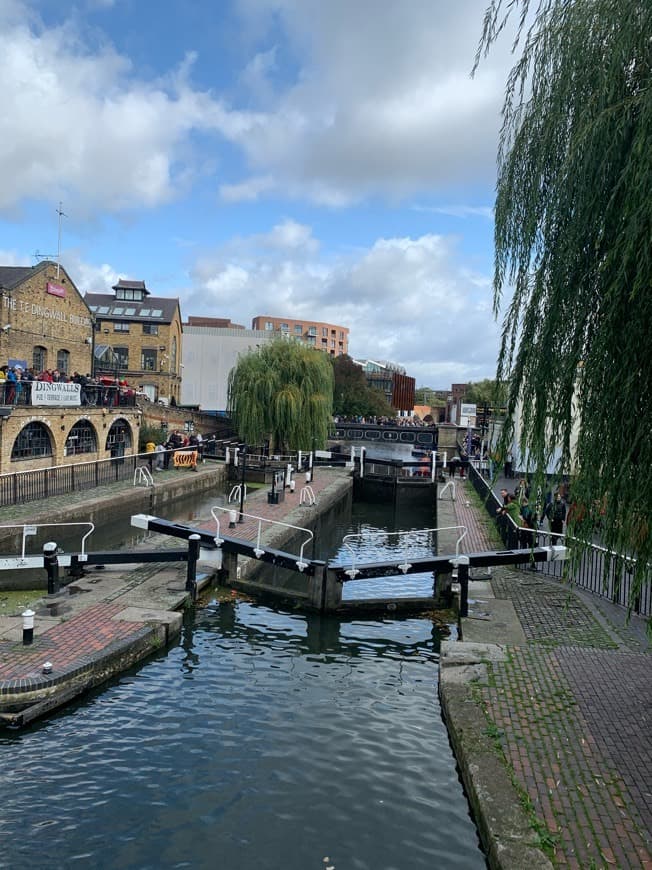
591	567
91	395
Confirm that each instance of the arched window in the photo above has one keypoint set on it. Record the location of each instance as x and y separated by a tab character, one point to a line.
81	439
33	441
39	358
173	362
118	438
63	361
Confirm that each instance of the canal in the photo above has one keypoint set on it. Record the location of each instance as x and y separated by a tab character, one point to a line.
262	739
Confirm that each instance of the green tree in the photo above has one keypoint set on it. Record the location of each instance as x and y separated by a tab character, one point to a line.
284	392
352	396
487	392
573	233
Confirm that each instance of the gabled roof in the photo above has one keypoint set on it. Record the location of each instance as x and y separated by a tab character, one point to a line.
12	275
152	309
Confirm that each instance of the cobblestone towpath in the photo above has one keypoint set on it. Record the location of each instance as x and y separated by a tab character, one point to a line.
564	690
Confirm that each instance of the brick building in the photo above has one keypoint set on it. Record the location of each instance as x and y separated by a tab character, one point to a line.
329	337
138	337
391	379
46	324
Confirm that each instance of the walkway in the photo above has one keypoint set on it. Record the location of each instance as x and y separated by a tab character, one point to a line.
569	708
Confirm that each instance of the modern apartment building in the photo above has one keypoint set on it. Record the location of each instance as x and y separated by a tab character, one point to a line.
329	337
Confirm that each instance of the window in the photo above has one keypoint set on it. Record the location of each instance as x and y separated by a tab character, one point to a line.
157	312
150	328
148	359
81	439
121	355
103	309
63	361
312	330
298	328
119	326
285	327
129	294
32	441
130	312
39	358
118	310
269	326
341	336
145	312
332	342
118	438
324	331
311	340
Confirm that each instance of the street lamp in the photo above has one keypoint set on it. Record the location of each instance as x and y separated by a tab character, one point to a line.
242	457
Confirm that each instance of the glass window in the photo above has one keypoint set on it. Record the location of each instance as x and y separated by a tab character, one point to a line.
285	327
269	326
298	328
324	330
312	330
150	328
63	361
32	441
341	336
148	359
81	439
103	309
120	326
121	357
157	312
118	310
130	311
118	438
39	358
145	312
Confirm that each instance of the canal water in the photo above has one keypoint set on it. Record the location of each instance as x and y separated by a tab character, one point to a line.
262	739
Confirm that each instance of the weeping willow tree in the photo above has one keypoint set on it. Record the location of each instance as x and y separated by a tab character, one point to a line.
573	243
282	392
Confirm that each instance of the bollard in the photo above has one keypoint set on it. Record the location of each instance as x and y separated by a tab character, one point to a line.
308	477
292	485
233	516
51	565
28	627
193	555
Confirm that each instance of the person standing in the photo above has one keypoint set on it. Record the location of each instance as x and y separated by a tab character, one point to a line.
556	514
509	465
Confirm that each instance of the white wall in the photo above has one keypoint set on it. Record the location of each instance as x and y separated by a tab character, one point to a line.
209	354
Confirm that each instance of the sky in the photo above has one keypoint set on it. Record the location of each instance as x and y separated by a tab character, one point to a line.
330	161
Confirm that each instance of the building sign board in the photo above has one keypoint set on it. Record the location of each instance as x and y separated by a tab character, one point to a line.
45	393
55	289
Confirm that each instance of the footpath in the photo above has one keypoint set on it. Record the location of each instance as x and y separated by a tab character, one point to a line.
547	695
113	617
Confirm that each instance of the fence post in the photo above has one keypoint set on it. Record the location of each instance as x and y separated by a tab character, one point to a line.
193	556
51	565
463	579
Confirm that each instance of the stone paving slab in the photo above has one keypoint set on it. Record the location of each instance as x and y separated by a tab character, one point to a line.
569	711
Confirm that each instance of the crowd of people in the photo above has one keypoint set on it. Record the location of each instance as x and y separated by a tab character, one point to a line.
16	386
176	440
530	516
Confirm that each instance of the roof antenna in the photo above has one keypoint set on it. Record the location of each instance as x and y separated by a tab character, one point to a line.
61	214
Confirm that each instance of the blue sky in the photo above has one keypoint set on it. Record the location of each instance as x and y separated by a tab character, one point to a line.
324	160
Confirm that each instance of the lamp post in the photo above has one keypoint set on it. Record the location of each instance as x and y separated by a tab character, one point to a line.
242	457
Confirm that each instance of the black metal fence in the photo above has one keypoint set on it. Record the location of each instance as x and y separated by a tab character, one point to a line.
591	567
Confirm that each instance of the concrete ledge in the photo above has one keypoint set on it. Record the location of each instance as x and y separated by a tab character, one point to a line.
505	831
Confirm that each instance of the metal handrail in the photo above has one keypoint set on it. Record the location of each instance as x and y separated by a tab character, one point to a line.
403	566
30	529
258	550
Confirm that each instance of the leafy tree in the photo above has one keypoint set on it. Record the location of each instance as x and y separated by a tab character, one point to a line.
573	231
352	396
487	392
282	391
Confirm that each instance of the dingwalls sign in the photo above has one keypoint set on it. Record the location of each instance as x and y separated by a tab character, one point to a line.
45	393
55	289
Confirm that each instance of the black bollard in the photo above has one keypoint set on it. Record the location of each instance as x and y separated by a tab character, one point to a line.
51	565
28	627
193	556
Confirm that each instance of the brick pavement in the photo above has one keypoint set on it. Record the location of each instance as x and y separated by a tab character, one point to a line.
571	711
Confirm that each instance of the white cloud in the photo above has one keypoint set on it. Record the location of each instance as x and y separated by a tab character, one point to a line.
404	299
